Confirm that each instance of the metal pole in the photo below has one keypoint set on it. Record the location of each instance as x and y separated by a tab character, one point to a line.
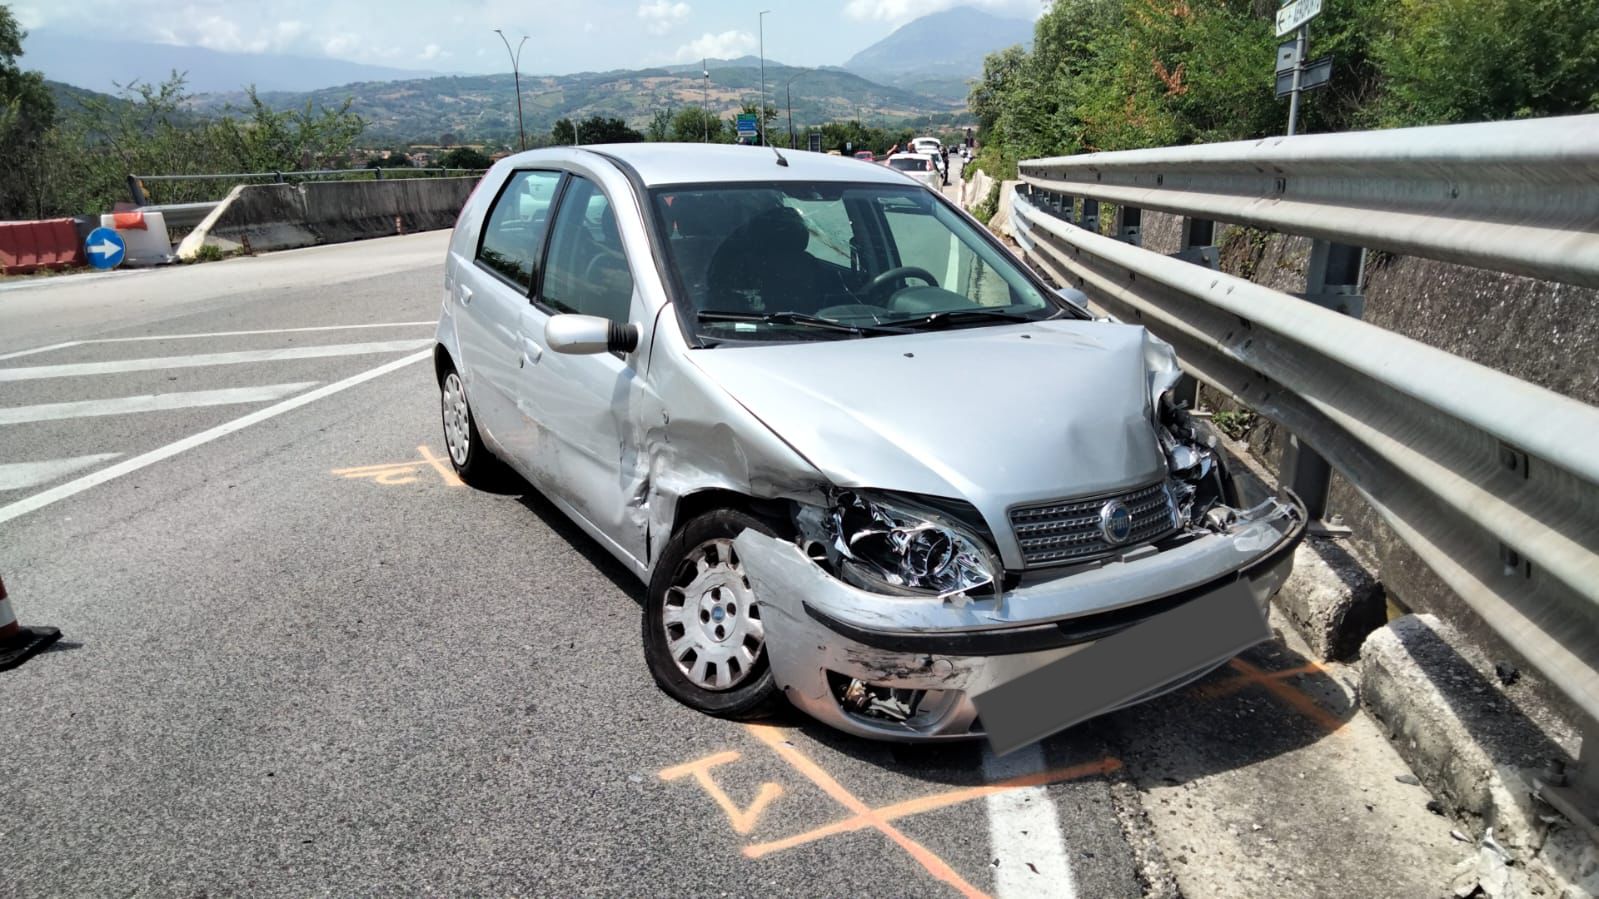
788	98
705	98
1293	95
516	75
762	119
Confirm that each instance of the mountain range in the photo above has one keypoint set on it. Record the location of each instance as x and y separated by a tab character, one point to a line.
919	71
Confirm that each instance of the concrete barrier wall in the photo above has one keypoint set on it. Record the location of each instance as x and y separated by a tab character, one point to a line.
29	246
263	217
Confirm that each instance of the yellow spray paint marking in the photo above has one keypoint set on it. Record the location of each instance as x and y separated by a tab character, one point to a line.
394	473
743	820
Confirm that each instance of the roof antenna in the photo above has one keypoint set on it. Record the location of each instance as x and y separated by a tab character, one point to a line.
780	160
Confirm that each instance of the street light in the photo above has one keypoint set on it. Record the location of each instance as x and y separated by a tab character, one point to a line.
761	19
789	99
516	72
705	98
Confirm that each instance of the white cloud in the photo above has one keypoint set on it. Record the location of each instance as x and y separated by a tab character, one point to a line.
660	16
590	28
28	17
726	45
432	51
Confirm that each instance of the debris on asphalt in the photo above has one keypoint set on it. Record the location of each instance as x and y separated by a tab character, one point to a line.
1435	806
1507	673
1409	779
1460	836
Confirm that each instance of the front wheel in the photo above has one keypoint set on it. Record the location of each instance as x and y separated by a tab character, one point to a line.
704	640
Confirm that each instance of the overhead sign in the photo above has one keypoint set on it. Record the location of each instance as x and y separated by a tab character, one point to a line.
746	124
1294	14
105	248
1315	75
1287	56
816	142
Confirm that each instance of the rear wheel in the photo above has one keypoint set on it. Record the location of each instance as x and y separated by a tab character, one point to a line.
472	460
704	639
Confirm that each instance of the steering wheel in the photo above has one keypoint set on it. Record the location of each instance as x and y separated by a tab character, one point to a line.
897	273
603	261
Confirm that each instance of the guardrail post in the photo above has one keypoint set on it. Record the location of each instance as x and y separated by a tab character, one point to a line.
136	188
377	174
1090	219
277	177
1129	225
1199	243
1332	281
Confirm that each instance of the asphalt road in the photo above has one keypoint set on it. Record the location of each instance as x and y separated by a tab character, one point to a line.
300	658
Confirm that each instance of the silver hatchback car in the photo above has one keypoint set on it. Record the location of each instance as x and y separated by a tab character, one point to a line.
862	457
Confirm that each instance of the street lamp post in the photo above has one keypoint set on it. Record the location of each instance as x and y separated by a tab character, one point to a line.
705	98
789	100
516	73
761	19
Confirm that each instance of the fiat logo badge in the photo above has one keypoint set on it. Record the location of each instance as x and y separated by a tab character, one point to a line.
1115	522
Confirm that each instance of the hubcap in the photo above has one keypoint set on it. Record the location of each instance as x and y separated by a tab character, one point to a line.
713	626
457	430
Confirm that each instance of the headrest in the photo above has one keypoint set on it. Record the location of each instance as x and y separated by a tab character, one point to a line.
780	229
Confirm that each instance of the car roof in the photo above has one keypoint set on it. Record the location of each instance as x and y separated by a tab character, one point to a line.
910	156
668	163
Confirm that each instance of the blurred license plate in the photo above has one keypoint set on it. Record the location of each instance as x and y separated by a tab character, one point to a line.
1122	667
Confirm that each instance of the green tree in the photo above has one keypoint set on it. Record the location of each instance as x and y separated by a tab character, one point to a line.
660	126
594	130
465	158
693	124
26	113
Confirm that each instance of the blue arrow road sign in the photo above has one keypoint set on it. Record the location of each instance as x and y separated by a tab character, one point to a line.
105	248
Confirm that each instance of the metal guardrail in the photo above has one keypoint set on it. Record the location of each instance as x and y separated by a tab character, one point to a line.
1493	481
141	196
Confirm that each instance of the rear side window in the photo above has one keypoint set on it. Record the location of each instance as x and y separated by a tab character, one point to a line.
514	233
587	270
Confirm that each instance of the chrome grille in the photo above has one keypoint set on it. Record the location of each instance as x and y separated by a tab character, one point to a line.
1068	530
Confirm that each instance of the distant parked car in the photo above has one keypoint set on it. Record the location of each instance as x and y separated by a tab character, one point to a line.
929	145
918	165
866	155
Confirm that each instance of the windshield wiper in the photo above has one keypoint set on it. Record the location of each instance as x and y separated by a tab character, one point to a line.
953	316
794	318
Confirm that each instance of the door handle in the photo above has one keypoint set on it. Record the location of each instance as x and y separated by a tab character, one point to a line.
466	295
531	352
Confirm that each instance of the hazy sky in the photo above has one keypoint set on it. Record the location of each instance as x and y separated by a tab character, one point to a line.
456	35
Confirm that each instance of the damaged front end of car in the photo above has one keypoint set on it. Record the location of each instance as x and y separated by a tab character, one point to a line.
887	612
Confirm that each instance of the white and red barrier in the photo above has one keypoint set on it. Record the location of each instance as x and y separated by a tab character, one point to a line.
18	643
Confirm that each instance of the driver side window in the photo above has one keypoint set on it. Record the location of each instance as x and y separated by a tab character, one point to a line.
586	270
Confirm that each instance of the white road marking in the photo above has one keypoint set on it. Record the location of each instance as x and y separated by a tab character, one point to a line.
41	349
152	402
158	363
17	475
430	324
1024	829
72	488
72	343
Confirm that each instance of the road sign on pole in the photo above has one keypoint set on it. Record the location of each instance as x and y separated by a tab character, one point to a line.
746	125
1314	75
1296	13
1287	56
816	142
105	248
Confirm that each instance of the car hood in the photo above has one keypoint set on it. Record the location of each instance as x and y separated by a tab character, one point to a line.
994	415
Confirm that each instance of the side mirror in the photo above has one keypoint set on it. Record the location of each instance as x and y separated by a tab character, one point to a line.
1074	296
578	335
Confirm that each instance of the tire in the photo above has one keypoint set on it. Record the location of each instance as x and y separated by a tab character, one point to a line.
698	574
473	462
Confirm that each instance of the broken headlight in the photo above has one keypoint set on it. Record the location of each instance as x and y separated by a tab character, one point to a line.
892	546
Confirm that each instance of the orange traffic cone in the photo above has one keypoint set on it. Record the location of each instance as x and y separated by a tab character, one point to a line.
18	643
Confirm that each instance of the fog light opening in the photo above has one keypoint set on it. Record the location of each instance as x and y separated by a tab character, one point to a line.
871	701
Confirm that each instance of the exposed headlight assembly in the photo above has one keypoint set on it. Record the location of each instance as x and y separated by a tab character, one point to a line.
892	546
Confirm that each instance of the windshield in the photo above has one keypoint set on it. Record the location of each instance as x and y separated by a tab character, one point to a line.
791	261
909	164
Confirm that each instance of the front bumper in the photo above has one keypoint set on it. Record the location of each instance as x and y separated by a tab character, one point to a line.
822	633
